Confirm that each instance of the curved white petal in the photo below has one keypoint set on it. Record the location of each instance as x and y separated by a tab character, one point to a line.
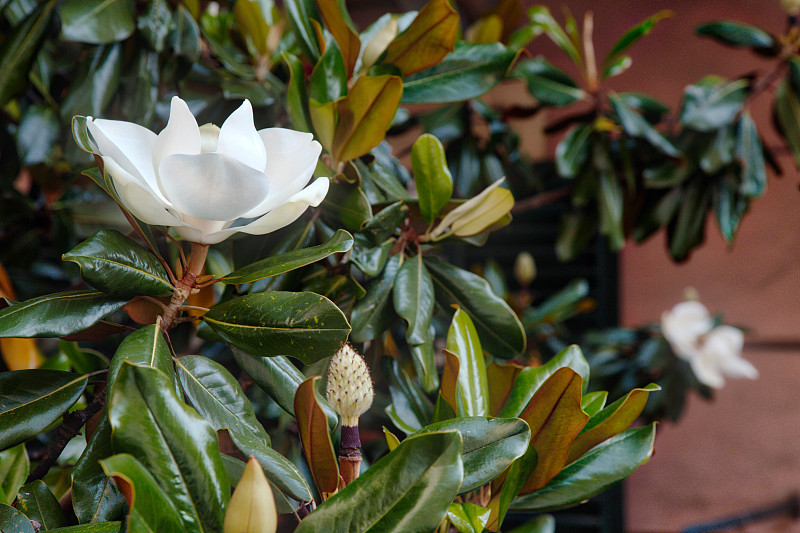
239	139
282	216
181	136
146	207
281	189
683	326
289	154
198	230
724	344
128	144
706	371
211	186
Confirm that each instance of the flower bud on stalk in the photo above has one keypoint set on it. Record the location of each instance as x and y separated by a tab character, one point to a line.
252	506
350	393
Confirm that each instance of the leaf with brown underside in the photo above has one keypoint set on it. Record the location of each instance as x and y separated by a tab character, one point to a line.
316	439
555	417
449	384
343	33
429	38
501	378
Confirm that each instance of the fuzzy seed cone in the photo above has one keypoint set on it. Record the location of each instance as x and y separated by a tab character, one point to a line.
252	506
349	388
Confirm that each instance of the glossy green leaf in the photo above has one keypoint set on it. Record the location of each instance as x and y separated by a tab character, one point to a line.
424	360
315	437
34	399
712	103
506	487
115	264
531	378
555	418
297	93
538	524
473	388
413	298
618	66
19	49
373	314
501	332
611	421
302	325
175	444
370	260
37	132
385	223
687	230
341	27
278	264
184	37
95	497
146	346
593	473
154	24
365	114
468	517
575	230
100	527
14	521
636	126
431	176
787	111
470	71
750	154
99	84
593	402
490	445
14	469
610	200
346	205
630	37
719	152
428	39
573	151
411	409
149	506
558	307
38	503
57	315
409	489
328	81
96	21
735	33
302	14
541	20
729	206
548	84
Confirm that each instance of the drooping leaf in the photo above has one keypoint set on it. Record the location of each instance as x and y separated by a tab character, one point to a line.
573	151
20	48
431	176
175	444
278	264
610	421
787	111
555	417
687	230
116	264
429	38
636	126
14	469
548	84
57	315
407	490
302	325
365	114
470	71
593	473
500	331
750	154
149	505
413	298
34	399
95	497
735	33
315	437
38	503
490	445
410	409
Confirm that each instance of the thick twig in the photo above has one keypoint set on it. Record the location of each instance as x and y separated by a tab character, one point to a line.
70	427
540	199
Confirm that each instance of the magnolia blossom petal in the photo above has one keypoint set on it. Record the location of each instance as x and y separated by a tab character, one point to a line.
199	230
146	207
724	344
181	136
128	144
683	326
282	216
239	139
211	186
706	371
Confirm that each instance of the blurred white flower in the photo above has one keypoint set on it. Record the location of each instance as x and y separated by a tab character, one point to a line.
712	352
209	182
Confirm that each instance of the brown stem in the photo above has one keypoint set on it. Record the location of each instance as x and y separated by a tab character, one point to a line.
70	427
540	199
349	454
186	285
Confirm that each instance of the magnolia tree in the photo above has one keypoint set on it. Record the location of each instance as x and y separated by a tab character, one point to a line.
225	360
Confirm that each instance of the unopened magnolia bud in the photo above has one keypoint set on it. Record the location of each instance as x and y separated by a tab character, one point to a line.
349	388
252	506
524	269
792	7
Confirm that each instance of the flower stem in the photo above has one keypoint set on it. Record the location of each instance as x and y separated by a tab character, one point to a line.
349	453
187	285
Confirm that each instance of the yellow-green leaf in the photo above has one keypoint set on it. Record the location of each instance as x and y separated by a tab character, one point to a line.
429	38
431	175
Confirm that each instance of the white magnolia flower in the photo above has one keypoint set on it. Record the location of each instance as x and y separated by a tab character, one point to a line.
209	182
712	352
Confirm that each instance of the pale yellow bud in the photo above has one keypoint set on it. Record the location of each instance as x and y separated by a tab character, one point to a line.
524	269
252	506
349	389
792	7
